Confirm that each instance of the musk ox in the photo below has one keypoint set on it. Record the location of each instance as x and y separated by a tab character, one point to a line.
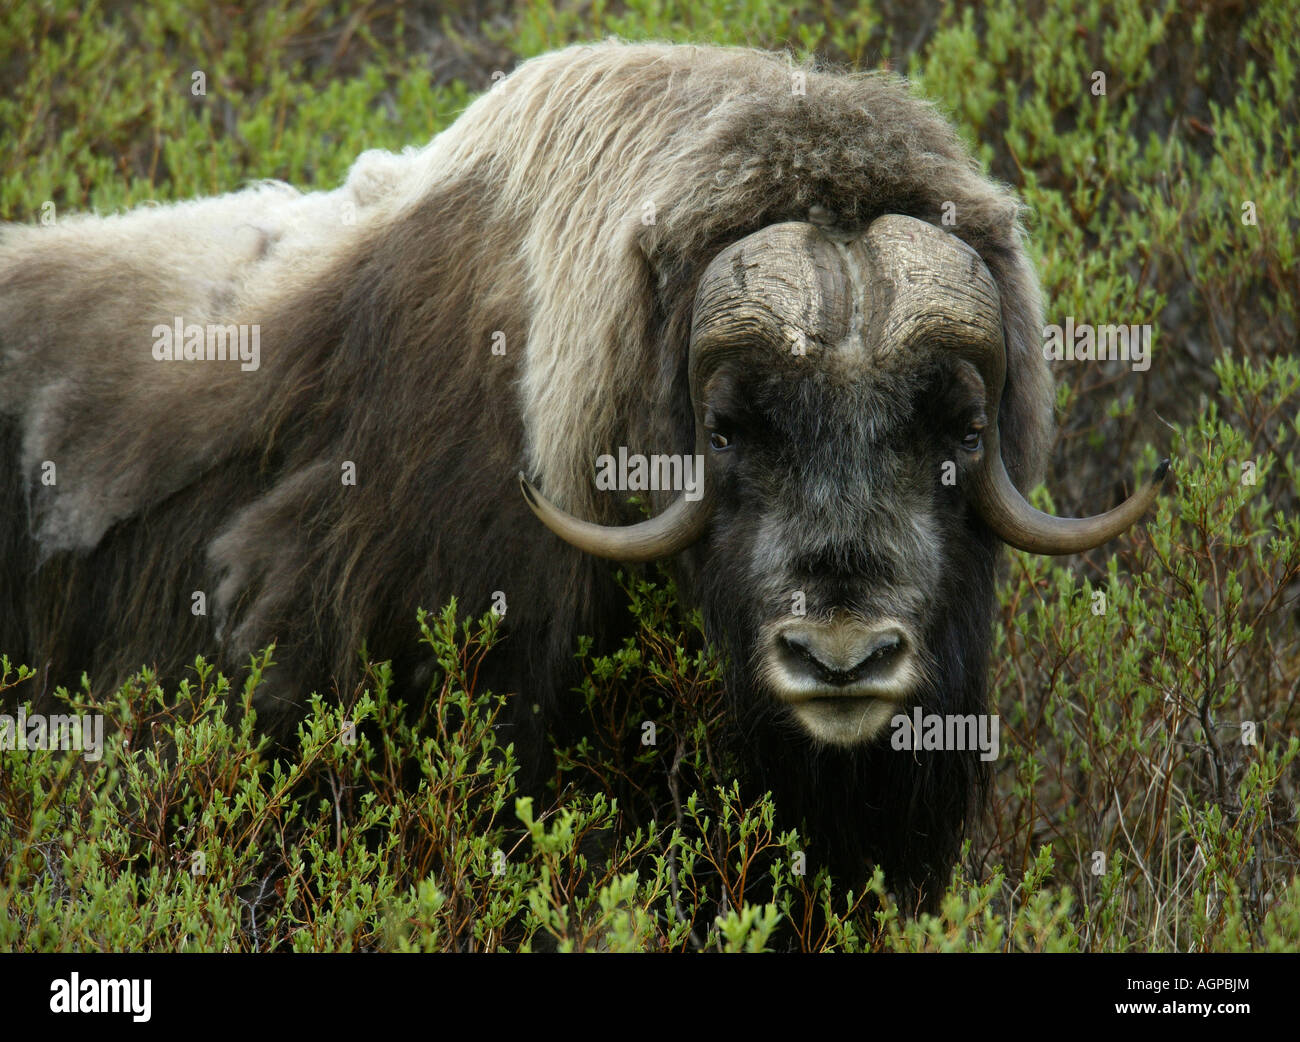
311	409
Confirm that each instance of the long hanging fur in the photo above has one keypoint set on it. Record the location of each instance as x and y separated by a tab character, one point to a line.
566	215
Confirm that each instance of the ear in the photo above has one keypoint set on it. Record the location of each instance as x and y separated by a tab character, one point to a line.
663	267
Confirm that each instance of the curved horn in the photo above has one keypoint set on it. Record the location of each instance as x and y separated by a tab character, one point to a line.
669	533
943	293
1005	511
745	297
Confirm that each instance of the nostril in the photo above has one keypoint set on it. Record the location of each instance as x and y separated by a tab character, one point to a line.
880	655
885	647
801	650
818	666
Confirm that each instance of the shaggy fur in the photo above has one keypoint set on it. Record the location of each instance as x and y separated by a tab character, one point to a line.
571	209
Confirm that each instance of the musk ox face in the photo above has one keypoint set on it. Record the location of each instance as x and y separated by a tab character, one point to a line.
834	530
845	389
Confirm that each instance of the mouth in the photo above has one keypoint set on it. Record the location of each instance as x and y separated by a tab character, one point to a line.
844	720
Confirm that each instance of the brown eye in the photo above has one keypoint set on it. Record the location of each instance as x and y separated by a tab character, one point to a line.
973	440
719	441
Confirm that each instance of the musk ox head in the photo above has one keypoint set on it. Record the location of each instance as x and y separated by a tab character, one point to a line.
846	392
